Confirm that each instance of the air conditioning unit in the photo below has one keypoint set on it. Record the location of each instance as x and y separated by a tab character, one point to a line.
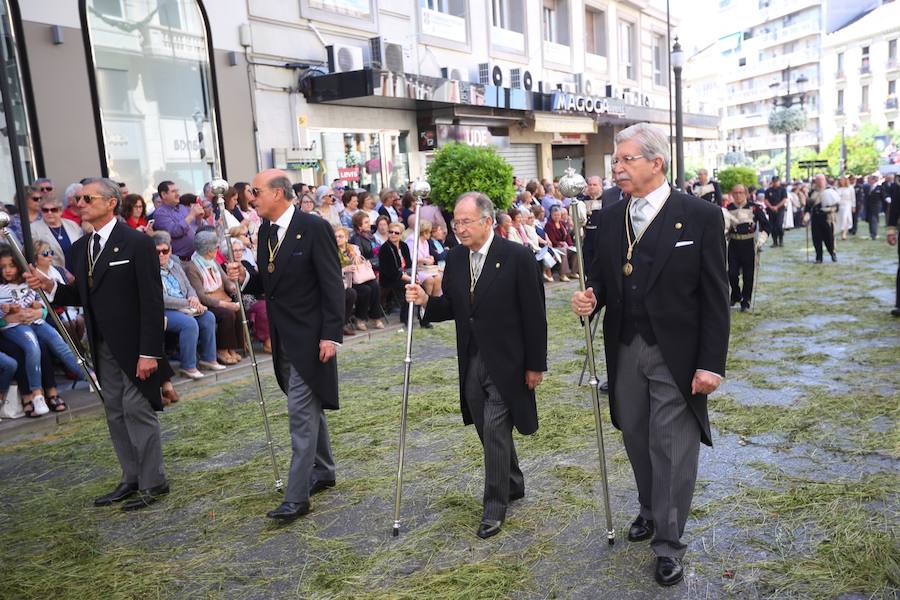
489	74
455	73
519	80
343	59
585	86
386	55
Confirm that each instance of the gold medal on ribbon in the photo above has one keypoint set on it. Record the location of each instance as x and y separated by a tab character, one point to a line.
627	269
271	268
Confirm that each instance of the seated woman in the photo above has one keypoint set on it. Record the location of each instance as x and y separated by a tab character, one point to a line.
59	233
25	326
363	239
362	277
325	205
394	261
257	310
71	316
543	249
307	203
367	205
559	236
233	216
54	401
134	211
381	234
428	277
517	231
438	250
350	199
216	293
185	315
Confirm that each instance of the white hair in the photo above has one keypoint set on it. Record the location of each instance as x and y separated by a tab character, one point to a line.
651	140
72	189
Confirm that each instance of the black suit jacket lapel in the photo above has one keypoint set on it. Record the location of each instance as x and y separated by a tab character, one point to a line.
668	235
616	255
110	249
288	245
493	262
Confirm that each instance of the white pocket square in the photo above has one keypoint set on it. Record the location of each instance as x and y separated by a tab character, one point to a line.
119	262
680	244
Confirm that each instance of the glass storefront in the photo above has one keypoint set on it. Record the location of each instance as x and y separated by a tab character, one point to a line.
154	86
371	160
20	140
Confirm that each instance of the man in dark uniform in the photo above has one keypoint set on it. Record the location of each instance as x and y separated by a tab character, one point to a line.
874	199
743	220
893	223
822	205
706	189
776	199
496	297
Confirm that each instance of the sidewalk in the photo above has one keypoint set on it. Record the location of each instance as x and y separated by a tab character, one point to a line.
81	403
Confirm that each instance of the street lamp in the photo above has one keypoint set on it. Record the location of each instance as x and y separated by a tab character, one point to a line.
790	122
677	64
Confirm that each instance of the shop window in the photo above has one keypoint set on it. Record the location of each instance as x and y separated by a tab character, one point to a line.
16	152
595	31
371	160
556	21
628	49
155	97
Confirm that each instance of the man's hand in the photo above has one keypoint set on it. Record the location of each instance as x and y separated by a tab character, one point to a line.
583	303
415	293
705	382
236	271
892	238
327	350
145	367
533	379
37	280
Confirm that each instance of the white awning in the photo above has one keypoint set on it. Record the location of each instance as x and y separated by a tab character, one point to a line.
547	123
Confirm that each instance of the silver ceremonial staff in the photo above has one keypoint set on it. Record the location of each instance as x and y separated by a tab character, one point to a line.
420	189
20	258
571	185
218	188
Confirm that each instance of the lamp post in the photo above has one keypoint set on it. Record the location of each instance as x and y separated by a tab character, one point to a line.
677	64
786	102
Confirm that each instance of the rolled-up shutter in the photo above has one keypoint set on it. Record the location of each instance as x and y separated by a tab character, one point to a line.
523	158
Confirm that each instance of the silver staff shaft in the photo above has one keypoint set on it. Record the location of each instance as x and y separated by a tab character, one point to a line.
594	383
407	365
755	288
88	376
248	341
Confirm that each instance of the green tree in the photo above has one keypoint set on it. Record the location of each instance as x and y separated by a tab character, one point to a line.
731	176
862	156
459	168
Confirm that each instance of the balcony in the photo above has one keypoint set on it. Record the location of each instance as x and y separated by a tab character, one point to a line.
778	63
839	111
840	75
864	69
891	103
785	34
761	92
776	142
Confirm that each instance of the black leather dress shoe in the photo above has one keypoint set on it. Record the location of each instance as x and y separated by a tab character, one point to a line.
641	529
122	491
320	485
516	496
668	570
147	497
604	387
489	529
288	511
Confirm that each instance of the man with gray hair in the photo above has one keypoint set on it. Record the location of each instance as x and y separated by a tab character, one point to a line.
659	268
70	201
494	293
706	189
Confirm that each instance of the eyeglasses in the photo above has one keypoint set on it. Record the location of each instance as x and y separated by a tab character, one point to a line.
48	188
50	209
627	159
307	201
460	225
35	198
163	251
88	198
255	191
395	232
48	253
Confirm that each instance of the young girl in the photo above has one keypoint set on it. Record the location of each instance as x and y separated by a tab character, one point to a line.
19	305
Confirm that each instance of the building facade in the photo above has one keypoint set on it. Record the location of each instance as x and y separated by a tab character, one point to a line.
862	59
358	90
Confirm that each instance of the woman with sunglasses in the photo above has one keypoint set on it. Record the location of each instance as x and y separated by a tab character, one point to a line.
71	316
394	263
58	233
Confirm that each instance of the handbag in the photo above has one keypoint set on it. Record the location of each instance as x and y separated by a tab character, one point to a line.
11	406
363	273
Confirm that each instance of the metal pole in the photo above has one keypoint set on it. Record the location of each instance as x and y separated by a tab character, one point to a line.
584	367
668	47
787	158
218	187
420	189
17	253
679	131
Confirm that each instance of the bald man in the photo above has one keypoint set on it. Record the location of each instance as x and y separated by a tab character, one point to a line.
300	274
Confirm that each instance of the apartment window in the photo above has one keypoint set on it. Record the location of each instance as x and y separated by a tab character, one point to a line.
168	13
555	21
628	49
508	14
840	63
892	50
111	8
660	61
892	87
890	124
595	31
346	13
864	107
444	19
840	102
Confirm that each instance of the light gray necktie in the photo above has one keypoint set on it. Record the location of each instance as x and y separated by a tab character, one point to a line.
476	267
638	218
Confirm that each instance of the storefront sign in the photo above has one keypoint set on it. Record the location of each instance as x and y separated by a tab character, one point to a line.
349	173
182	142
471	135
565	102
568	139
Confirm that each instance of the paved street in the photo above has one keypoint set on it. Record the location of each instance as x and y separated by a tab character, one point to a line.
798	498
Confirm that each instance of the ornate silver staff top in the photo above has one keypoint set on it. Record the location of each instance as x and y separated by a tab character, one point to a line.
218	187
420	188
571	184
4	220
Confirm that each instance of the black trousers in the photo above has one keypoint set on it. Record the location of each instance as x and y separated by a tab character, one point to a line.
821	233
776	221
741	260
897	300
